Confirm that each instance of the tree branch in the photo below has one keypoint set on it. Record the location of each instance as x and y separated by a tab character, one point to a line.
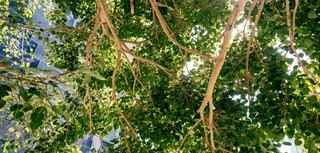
253	30
169	35
291	36
218	66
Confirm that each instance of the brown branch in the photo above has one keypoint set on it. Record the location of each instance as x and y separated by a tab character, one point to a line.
253	4
291	36
137	79
294	16
127	50
91	37
88	63
224	150
105	19
136	43
253	30
219	63
166	30
220	60
163	5
115	96
132	7
185	137
233	17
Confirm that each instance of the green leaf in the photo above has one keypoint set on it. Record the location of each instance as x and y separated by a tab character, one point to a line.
23	94
277	145
35	91
312	14
2	103
312	99
287	143
16	107
94	73
33	70
3	72
308	42
17	114
97	75
53	84
38	114
86	79
4	90
35	125
26	107
85	70
37	117
58	111
60	65
297	142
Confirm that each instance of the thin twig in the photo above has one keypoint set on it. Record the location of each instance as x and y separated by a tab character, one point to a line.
185	137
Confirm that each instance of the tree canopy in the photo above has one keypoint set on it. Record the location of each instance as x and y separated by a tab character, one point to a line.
254	79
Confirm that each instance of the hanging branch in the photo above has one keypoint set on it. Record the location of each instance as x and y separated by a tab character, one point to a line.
219	63
253	30
253	4
105	19
291	36
88	64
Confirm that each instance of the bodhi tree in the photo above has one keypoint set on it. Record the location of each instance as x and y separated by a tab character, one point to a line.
254	78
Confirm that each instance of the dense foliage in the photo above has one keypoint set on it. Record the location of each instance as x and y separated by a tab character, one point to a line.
147	91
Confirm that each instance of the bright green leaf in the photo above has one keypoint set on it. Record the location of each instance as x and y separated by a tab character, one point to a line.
85	70
97	75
